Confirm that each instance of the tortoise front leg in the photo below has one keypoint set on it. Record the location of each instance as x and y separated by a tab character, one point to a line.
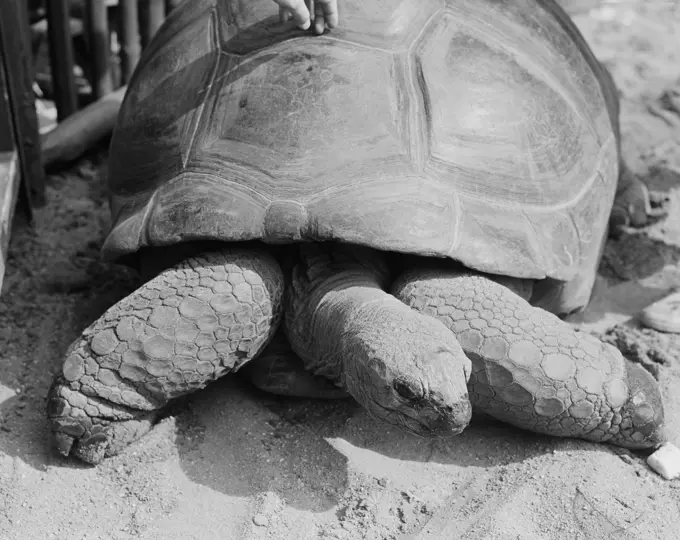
188	326
533	370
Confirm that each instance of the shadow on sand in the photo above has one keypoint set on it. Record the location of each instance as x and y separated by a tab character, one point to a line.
230	437
239	441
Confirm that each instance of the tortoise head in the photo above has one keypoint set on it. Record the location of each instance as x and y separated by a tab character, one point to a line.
421	390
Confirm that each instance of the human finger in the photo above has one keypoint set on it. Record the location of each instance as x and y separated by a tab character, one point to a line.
327	11
298	9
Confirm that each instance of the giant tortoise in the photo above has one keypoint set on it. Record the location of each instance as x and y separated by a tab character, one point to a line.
431	185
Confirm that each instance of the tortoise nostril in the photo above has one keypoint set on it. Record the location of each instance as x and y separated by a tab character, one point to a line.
408	389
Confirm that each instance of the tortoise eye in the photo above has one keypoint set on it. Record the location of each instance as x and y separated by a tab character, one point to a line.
408	389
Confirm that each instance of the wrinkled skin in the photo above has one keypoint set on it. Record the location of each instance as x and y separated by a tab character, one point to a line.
533	370
405	356
529	368
186	327
212	313
403	367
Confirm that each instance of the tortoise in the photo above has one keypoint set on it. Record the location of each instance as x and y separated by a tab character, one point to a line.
415	199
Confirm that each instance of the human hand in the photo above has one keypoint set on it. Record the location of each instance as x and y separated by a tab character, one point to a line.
325	13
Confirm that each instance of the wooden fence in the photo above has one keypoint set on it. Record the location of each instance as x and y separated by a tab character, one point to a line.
115	32
110	35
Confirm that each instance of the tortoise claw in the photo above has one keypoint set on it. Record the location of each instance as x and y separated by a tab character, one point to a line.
103	438
91	449
78	431
62	443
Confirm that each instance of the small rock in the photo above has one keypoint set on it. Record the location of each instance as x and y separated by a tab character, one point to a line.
365	504
626	459
666	461
663	315
260	520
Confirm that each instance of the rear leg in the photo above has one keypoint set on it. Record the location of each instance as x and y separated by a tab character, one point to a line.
188	326
633	203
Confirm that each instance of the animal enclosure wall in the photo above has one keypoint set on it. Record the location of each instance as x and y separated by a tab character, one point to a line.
20	163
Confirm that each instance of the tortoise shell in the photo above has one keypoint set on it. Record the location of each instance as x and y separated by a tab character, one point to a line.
482	131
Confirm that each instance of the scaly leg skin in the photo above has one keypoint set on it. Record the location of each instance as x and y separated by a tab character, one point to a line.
531	369
278	370
403	367
188	326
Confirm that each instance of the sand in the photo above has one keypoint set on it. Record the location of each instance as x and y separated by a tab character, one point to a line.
233	463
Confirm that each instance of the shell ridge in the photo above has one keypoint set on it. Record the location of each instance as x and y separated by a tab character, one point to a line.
425	124
565	204
587	186
582	242
476	25
426	25
531	238
457	209
357	44
145	221
195	170
198	119
163	38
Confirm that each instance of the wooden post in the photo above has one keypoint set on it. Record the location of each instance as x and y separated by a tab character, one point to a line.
128	32
19	137
81	131
151	16
16	60
10	172
97	25
61	57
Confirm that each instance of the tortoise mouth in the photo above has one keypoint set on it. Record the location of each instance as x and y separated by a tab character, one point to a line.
427	419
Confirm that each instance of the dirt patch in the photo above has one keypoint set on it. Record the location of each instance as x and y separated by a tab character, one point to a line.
231	462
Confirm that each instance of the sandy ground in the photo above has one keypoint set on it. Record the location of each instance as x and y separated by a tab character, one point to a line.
231	462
